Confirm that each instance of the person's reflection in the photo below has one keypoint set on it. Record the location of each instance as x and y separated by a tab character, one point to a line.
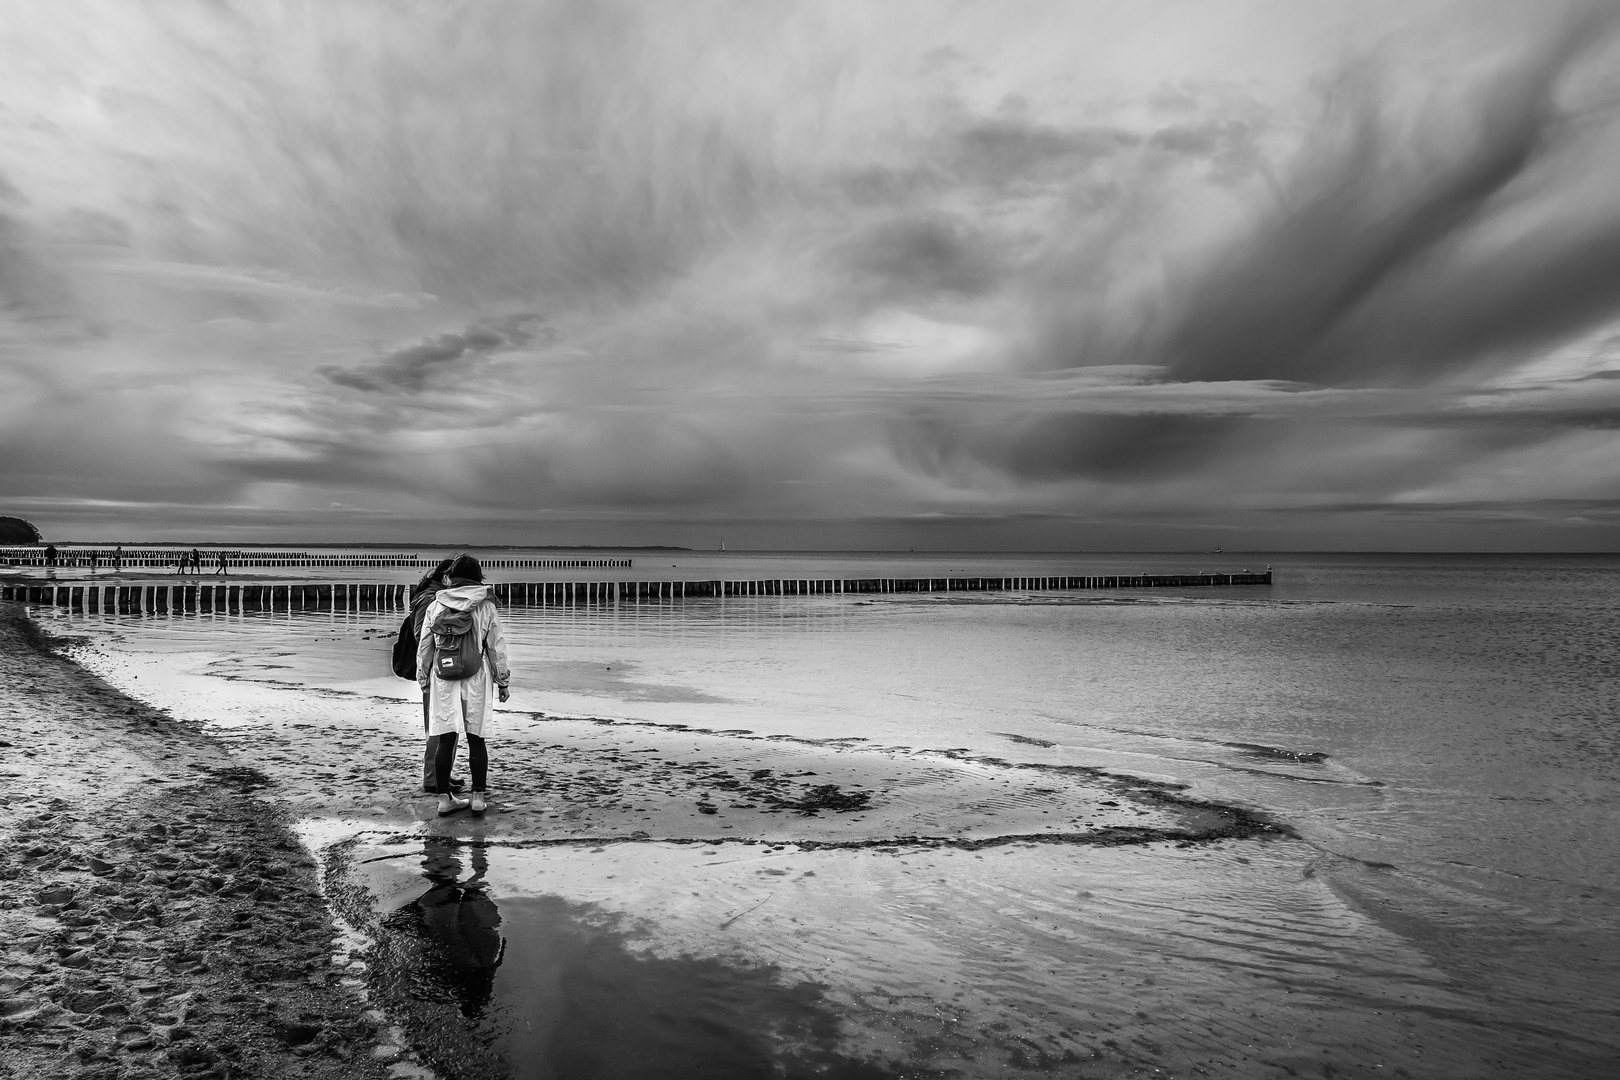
462	943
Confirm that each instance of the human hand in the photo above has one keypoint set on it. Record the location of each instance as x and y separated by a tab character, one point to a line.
505	693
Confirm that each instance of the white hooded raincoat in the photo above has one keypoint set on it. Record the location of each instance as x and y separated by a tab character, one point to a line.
464	704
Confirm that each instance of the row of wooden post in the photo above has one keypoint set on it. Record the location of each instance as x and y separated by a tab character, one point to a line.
162	558
158	599
353	596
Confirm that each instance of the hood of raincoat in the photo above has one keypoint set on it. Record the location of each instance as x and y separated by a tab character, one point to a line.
463	597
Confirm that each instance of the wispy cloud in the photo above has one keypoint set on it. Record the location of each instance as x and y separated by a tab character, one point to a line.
1398	251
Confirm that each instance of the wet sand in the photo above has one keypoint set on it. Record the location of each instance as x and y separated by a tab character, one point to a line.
164	919
157	916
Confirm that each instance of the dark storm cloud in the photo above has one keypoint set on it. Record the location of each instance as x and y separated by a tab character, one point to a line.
1369	268
1409	241
1109	448
1124	429
1477	511
409	370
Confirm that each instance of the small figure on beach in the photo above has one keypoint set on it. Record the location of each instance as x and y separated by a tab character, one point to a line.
93	556
222	569
196	561
118	559
461	661
50	554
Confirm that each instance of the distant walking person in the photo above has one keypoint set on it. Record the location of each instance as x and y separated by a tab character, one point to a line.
118	559
196	561
222	569
50	554
93	555
461	662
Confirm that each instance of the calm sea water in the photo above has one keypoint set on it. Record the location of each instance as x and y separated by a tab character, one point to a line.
1440	731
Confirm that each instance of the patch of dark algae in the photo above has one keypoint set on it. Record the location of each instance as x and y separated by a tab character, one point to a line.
156	918
544	988
1204	820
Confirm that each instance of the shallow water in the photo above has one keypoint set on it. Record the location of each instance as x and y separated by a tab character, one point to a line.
1440	733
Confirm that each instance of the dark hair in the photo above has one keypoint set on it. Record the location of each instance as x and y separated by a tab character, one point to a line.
466	568
430	580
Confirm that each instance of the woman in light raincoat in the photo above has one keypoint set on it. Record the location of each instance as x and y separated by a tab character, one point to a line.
456	705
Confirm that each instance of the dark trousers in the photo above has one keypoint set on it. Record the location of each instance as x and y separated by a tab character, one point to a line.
477	761
440	755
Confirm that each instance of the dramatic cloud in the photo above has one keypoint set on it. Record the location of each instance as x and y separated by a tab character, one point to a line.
1391	232
1024	274
409	369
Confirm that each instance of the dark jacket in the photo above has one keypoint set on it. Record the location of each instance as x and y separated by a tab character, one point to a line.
410	631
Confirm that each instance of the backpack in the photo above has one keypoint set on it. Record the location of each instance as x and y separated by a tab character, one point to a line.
404	658
410	632
457	651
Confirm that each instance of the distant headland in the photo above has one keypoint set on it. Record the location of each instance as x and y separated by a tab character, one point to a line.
17	531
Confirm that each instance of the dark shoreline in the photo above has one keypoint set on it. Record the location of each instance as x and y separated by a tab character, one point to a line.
157	917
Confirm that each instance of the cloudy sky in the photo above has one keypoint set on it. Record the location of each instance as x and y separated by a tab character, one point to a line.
847	274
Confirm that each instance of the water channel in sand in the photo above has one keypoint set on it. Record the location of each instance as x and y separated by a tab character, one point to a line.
1448	906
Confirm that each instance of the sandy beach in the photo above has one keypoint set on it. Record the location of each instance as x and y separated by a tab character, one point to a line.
158	917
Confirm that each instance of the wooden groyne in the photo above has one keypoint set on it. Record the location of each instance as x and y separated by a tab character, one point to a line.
235	559
159	598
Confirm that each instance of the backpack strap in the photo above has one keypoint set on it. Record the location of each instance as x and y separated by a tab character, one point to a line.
483	640
419	607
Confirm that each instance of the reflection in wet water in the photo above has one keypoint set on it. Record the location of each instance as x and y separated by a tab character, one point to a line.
455	927
584	1001
583	996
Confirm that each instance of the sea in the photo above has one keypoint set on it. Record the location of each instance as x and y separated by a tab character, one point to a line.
1434	738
